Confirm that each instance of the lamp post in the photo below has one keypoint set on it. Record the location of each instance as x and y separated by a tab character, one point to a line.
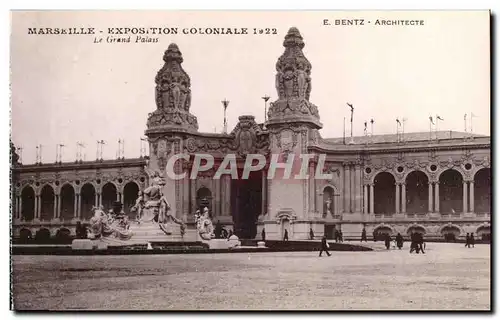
225	103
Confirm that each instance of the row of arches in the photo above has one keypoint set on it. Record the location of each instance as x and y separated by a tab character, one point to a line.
68	204
450	195
449	232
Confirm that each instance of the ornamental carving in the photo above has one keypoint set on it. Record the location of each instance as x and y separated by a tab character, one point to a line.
247	137
293	81
173	94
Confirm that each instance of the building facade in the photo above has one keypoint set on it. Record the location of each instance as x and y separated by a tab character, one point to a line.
436	183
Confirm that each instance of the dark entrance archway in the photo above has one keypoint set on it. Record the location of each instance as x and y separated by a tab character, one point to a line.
417	192
484	233
47	202
450	192
87	200
380	233
28	203
130	194
384	193
67	202
482	191
450	233
246	204
109	195
416	229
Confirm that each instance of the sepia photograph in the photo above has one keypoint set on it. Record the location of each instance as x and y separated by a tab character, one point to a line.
188	160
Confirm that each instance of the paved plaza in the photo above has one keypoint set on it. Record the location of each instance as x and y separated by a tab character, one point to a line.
447	277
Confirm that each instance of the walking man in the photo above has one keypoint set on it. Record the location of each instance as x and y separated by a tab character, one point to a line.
263	234
311	233
324	246
363	235
467	240
472	240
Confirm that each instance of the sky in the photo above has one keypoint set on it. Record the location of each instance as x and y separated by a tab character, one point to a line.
66	88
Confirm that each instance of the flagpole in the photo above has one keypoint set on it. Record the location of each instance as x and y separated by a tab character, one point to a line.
430	128
344	131
471	131
465	122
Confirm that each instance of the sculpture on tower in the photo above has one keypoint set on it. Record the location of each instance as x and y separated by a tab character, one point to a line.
173	95
293	82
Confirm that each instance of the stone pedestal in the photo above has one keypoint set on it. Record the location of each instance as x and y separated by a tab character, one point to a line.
82	244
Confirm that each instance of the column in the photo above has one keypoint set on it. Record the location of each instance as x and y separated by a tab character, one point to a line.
75	206
264	196
431	206
397	198
372	203
347	188
119	196
79	207
228	193
471	198
20	207
58	206
464	210
217	197
55	207
365	199
99	199
16	207
96	202
358	196
436	197
37	204
403	198
352	193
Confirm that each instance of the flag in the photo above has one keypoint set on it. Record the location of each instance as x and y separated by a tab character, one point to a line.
365	125
397	120
372	121
432	121
473	115
465	116
439	118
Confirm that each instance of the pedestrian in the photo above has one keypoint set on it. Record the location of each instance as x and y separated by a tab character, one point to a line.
324	246
472	241
285	236
413	244
363	235
341	236
467	240
387	241
311	233
420	242
399	241
374	236
263	234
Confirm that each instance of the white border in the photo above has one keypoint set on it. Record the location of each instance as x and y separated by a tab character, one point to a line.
194	5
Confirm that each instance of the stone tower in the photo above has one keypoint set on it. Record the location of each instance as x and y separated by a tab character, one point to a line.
173	96
169	124
293	125
293	85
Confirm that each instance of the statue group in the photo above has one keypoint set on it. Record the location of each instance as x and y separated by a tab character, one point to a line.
204	225
151	208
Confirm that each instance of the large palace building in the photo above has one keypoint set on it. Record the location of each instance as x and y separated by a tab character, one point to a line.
435	183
